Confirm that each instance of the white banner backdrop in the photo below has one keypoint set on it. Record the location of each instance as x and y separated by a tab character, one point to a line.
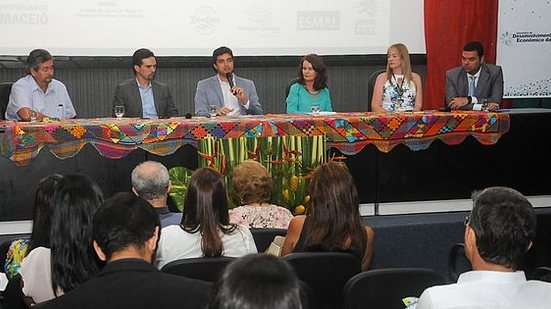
524	47
196	27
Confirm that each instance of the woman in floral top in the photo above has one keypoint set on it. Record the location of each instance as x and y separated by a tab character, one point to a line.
252	186
40	237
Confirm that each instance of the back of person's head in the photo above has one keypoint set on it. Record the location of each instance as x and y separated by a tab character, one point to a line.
75	202
206	210
139	55
251	183
150	180
318	65
42	211
403	52
257	281
333	211
475	46
124	220
504	223
219	52
36	58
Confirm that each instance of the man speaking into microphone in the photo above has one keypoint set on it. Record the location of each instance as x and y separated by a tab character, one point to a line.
226	94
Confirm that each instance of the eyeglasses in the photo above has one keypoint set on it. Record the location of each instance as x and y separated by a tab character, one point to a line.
467	218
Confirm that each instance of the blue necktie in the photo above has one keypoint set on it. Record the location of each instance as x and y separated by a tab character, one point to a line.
472	87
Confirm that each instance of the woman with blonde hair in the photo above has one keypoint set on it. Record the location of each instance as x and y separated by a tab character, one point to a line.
398	89
252	187
332	222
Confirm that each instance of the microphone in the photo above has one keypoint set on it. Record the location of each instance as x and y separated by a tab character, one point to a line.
229	76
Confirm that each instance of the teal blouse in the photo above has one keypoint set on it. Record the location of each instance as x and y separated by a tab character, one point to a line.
299	100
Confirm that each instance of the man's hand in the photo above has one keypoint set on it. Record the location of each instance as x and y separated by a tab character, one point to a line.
240	94
458	102
492	106
223	111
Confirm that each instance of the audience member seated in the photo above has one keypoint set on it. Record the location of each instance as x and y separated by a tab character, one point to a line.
151	182
40	235
252	186
49	272
332	222
499	231
143	96
258	281
38	94
310	88
474	85
205	230
125	233
398	89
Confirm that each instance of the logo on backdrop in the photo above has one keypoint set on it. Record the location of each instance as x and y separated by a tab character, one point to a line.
520	37
205	20
318	20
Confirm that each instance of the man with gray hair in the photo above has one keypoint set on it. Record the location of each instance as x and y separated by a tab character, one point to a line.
38	95
151	182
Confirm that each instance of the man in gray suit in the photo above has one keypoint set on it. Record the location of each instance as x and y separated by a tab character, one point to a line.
227	93
475	85
143	96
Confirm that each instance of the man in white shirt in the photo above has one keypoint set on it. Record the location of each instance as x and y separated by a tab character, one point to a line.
228	94
38	94
499	231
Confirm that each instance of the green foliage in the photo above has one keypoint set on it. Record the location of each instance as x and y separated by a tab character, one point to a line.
179	177
289	159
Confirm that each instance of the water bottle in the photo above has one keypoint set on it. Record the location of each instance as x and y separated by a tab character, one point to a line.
60	112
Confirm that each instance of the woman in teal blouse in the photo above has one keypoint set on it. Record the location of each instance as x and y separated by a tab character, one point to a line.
311	87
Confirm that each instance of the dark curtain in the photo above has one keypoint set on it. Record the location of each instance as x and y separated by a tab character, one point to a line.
449	24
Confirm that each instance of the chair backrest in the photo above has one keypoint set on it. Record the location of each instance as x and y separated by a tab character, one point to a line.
325	273
206	269
263	237
371	86
288	88
458	262
5	90
542	273
385	288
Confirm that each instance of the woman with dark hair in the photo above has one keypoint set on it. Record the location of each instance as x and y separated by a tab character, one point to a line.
70	260
205	230
310	88
332	222
40	237
398	89
257	281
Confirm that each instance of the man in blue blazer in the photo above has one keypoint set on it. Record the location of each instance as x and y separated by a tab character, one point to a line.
228	94
475	85
143	96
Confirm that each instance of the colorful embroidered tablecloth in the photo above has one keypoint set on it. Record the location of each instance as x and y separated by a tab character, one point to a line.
348	132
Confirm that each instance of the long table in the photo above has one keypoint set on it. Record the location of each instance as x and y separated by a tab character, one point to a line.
379	148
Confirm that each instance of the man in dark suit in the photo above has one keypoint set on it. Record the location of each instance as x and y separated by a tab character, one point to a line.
143	96
126	231
475	85
228	94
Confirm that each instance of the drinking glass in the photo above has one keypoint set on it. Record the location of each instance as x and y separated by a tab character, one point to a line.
119	111
33	115
315	109
213	110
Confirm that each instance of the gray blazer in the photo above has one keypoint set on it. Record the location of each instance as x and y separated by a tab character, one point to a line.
128	94
209	93
490	84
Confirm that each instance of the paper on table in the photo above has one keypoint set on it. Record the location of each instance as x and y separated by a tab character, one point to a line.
323	113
